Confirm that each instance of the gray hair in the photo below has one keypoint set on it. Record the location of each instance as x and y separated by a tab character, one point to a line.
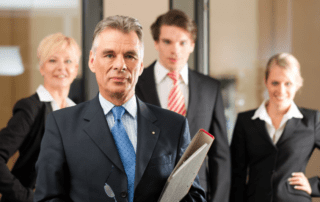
286	61
124	24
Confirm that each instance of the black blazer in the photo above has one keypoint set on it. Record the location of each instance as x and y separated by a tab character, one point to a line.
78	155
24	133
269	166
205	111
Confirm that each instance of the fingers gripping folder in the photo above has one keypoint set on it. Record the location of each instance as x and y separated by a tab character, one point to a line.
183	175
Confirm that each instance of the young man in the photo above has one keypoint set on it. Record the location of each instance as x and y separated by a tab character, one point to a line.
170	84
111	148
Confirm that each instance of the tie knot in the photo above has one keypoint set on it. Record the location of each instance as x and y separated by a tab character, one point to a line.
118	112
174	75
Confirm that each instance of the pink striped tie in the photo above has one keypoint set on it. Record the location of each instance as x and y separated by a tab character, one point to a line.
176	99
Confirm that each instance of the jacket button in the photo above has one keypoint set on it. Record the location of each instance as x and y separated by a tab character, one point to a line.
123	194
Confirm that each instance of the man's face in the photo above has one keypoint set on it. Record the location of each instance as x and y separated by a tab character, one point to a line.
174	47
117	63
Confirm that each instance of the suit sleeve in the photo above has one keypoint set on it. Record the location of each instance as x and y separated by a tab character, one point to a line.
219	155
52	179
196	193
239	164
315	181
12	137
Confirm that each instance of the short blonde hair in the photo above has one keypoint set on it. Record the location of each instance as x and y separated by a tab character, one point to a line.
286	61
54	43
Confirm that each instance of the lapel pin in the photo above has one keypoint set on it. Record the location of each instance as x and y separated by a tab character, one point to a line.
153	132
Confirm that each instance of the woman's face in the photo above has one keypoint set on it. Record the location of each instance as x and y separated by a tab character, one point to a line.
60	69
282	86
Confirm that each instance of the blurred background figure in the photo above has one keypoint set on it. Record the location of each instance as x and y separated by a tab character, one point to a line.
170	83
58	58
271	145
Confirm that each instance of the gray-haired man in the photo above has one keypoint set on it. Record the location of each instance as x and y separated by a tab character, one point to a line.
114	147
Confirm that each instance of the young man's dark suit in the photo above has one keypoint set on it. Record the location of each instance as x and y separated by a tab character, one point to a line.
205	111
78	155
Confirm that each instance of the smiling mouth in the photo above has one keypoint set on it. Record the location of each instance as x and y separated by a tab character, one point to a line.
61	76
280	98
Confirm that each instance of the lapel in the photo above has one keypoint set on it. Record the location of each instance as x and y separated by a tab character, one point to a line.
261	127
195	91
291	126
289	129
98	130
147	86
48	108
146	139
46	105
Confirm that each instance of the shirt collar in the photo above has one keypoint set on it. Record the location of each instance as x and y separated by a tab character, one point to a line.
294	112
161	72
45	96
130	106
262	113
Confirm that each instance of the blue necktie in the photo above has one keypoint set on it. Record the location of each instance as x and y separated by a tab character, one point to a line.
125	148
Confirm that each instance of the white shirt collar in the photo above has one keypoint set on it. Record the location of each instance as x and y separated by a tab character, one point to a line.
262	113
45	96
161	72
130	106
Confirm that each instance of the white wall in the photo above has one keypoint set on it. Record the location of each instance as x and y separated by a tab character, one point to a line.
146	12
234	47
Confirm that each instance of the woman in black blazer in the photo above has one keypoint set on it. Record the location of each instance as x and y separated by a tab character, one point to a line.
271	145
58	58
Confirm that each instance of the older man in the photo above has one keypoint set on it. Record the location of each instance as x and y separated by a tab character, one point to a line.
114	147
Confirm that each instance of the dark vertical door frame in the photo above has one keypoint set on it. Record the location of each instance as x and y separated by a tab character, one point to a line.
203	42
170	4
201	10
92	13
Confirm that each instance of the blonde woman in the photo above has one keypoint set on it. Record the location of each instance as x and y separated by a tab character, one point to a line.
272	145
58	58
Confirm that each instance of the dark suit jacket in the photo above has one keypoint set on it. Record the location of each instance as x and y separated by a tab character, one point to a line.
24	133
78	155
270	165
205	111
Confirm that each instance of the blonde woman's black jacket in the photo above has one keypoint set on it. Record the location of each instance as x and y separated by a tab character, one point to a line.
269	166
23	133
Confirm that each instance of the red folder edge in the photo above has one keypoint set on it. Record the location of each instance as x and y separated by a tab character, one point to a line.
203	130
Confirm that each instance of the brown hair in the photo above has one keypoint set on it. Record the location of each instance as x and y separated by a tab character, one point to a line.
288	62
54	43
174	18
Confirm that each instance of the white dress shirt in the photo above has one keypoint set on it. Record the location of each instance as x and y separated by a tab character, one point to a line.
129	118
45	96
164	84
263	115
